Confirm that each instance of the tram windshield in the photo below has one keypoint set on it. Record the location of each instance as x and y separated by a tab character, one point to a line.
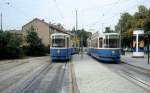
58	42
111	41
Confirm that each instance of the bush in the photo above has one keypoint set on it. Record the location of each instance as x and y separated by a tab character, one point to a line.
10	46
34	46
48	49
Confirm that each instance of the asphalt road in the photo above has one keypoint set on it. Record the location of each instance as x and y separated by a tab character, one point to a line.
39	75
34	75
50	80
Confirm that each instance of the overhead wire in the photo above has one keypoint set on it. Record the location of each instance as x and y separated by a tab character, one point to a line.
111	7
117	13
58	9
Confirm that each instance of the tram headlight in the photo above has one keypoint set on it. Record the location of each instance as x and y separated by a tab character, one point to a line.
113	52
58	51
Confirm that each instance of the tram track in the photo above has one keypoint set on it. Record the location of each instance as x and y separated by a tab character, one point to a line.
8	66
136	80
26	81
34	79
40	77
49	79
134	74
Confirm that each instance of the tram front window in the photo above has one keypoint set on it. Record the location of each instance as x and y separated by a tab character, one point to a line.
112	41
58	42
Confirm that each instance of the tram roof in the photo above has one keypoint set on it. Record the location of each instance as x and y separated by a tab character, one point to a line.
98	34
147	33
111	33
63	34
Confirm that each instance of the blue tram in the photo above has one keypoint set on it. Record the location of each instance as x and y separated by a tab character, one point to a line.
89	46
105	47
60	47
73	47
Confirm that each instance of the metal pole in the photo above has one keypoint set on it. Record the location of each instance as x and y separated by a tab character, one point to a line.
120	36
49	36
76	25
76	30
120	39
102	27
76	20
1	23
103	24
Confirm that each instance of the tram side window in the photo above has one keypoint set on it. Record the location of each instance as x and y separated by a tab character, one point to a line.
106	42
100	42
91	43
58	42
67	42
95	43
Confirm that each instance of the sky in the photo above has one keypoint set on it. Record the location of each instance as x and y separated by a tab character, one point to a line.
93	15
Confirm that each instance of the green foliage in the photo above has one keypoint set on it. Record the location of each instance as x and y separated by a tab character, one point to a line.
10	45
34	46
127	23
83	35
108	30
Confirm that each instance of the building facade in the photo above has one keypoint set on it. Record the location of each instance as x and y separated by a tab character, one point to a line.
43	29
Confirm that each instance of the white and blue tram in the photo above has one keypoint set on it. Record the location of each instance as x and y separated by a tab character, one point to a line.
89	46
60	48
73	47
105	47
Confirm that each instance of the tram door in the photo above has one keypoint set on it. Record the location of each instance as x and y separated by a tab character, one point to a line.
138	43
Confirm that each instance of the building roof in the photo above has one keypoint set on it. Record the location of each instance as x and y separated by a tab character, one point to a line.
50	25
14	31
147	33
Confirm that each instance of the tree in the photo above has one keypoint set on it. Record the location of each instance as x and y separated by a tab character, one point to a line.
35	46
108	30
82	35
10	45
127	23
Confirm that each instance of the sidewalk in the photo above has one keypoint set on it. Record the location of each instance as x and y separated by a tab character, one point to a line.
94	77
138	62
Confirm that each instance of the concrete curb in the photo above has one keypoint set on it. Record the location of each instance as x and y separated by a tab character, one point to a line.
134	65
75	88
